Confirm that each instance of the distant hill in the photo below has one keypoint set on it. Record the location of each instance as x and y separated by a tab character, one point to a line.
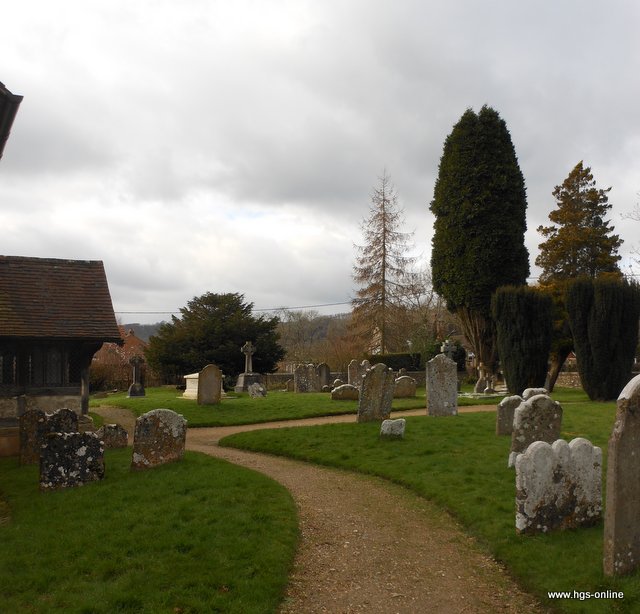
143	331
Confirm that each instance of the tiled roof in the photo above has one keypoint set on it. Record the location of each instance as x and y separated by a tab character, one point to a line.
62	299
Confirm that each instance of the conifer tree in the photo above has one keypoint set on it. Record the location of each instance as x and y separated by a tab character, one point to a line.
480	206
603	315
382	271
580	241
523	317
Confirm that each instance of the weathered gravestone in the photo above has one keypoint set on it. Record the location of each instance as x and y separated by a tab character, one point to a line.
393	429
376	394
539	418
558	486
70	459
209	385
159	438
36	424
356	371
622	510
532	392
32	431
324	375
504	414
290	385
345	392
257	391
404	387
442	386
113	436
305	379
337	382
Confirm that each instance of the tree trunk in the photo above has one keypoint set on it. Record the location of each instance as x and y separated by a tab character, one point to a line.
556	363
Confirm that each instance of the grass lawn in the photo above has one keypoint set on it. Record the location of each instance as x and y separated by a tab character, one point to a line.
199	535
242	409
460	464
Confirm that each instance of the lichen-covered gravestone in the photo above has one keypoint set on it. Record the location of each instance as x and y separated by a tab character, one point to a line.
532	392
305	379
539	418
159	438
504	414
70	459
376	394
442	386
621	524
34	426
257	390
393	429
405	387
345	392
558	486
113	436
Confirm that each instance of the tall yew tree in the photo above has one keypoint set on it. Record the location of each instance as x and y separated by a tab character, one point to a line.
523	317
382	271
603	314
480	206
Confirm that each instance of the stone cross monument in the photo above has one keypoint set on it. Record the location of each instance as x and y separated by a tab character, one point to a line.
248	377
136	389
248	349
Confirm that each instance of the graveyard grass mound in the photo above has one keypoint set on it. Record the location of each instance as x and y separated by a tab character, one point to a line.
198	535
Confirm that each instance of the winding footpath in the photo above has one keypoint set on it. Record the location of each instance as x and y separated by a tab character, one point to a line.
368	545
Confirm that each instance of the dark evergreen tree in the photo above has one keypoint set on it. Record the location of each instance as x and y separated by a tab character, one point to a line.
211	329
523	318
603	315
480	207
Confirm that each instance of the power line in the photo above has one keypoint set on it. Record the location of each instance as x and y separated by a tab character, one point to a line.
263	309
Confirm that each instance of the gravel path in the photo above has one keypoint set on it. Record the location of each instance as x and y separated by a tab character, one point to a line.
368	545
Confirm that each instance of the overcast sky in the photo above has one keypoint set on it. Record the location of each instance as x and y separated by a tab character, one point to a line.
233	146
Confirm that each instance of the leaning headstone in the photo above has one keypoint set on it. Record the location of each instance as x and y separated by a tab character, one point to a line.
113	436
504	414
376	394
209	385
32	430
345	392
442	386
481	384
324	375
159	438
558	486
70	459
532	392
393	429
257	391
404	387
305	379
290	385
539	418
621	526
